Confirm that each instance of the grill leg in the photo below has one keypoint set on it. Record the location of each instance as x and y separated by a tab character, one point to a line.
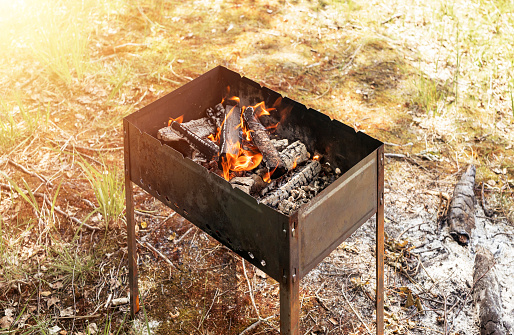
380	243
290	307
132	251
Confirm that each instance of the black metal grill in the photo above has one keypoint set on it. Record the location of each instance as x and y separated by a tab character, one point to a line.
284	247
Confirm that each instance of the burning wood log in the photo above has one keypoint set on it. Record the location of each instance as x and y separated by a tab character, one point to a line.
262	141
200	127
215	115
229	136
206	147
294	154
486	293
303	177
461	214
280	144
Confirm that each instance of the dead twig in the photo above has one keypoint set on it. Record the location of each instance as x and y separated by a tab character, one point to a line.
250	290
183	235
209	310
152	248
78	316
445	318
409	228
395	16
34	174
57	209
355	312
255	325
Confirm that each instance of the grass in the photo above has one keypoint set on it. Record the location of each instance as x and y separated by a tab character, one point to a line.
61	39
108	187
428	94
18	122
71	266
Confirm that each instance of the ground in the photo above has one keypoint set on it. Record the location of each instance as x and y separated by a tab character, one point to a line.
433	80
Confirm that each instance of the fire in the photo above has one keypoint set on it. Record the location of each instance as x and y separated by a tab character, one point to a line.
273	126
294	164
236	99
267	176
179	120
245	160
261	109
316	158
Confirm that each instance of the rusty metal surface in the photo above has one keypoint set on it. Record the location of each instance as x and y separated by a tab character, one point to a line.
290	282
284	247
131	233
334	214
380	242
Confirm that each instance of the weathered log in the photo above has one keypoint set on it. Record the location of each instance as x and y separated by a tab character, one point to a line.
201	127
303	177
461	214
261	139
486	293
206	147
229	136
295	153
215	115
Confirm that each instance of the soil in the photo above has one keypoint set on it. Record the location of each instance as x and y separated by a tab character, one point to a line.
210	290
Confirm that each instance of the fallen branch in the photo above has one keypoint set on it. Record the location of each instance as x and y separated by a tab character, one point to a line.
250	289
461	214
486	294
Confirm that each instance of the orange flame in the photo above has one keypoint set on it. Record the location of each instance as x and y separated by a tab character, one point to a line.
267	176
245	160
273	126
179	120
294	163
236	99
316	158
262	110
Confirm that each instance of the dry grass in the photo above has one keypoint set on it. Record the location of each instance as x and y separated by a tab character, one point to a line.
438	74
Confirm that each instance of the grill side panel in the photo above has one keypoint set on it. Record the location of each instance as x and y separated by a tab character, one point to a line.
334	214
254	231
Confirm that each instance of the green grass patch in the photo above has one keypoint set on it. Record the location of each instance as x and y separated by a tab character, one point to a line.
109	188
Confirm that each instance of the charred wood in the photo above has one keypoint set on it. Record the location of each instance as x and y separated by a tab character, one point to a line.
303	177
200	127
206	147
243	183
251	185
229	136
461	214
296	153
280	144
486	293
215	115
262	141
